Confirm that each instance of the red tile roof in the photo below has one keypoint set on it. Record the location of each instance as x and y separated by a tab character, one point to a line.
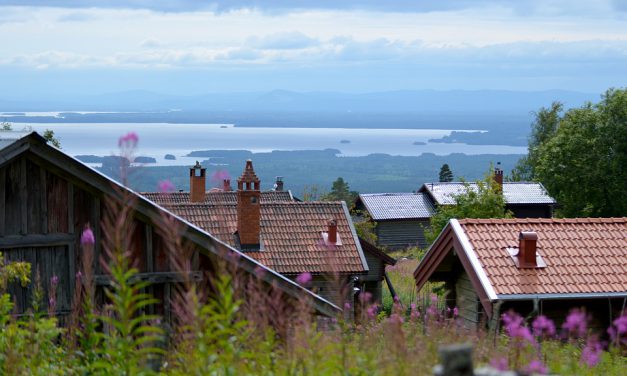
291	234
583	255
214	197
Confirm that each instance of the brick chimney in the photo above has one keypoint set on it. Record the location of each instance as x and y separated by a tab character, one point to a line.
197	183
278	184
332	233
248	207
498	177
226	185
527	249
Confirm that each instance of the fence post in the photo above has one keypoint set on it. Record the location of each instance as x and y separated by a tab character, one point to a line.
456	360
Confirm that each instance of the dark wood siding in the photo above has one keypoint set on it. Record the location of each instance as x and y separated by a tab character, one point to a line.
401	234
42	215
531	211
467	300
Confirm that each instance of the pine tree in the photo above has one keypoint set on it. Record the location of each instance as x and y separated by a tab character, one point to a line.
446	175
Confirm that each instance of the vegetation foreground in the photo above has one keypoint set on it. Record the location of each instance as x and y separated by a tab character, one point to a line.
227	335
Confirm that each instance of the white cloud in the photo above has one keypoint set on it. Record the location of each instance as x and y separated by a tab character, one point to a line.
282	41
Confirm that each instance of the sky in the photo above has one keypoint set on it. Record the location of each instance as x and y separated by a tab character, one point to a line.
84	47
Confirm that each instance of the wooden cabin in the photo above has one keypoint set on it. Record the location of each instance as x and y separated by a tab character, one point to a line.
373	281
532	266
523	199
47	198
400	218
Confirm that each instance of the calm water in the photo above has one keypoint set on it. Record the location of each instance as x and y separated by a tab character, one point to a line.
159	139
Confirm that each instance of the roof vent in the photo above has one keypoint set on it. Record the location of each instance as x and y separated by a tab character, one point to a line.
526	256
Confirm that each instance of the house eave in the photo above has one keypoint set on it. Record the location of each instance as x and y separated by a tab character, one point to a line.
561	296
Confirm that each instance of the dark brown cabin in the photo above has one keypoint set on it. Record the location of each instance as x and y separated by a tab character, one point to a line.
48	197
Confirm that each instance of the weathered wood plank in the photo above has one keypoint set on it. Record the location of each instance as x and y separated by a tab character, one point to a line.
71	270
2	200
35	240
35	191
70	208
23	198
95	225
44	200
149	249
154	278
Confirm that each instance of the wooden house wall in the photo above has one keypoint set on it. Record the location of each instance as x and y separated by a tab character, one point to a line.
42	215
401	234
467	300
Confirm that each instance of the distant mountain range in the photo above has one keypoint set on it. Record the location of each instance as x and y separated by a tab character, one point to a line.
429	101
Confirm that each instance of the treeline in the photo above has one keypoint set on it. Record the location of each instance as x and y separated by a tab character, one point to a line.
580	156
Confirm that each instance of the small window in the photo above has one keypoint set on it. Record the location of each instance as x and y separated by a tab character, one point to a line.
253	199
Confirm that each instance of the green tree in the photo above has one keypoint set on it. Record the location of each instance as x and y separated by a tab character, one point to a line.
446	175
543	129
482	199
583	164
49	136
340	191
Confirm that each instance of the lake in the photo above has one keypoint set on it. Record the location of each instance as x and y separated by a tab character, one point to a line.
158	139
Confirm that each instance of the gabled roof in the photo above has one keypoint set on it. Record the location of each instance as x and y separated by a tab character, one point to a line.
585	257
290	236
389	206
515	193
67	165
214	198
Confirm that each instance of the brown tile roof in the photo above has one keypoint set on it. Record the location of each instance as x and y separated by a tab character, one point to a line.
291	234
214	198
583	255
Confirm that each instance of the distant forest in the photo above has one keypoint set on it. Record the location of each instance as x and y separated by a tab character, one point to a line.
304	169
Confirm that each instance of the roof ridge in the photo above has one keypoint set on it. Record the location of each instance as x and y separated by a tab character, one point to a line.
543	220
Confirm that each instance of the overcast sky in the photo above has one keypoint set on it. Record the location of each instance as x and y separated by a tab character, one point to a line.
193	46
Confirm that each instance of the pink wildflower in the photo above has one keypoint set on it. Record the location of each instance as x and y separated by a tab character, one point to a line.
87	237
618	330
543	327
396	318
365	297
415	313
500	363
166	186
372	312
79	275
455	312
536	366
347	306
304	278
219	176
260	272
515	328
129	140
576	323
591	354
54	281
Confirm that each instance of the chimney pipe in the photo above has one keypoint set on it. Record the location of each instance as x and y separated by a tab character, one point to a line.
527	249
278	185
332	233
197	183
498	177
226	185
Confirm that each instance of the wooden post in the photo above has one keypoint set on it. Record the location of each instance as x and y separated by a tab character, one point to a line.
456	361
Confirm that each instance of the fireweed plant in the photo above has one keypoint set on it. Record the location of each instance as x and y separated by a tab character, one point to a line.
234	323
